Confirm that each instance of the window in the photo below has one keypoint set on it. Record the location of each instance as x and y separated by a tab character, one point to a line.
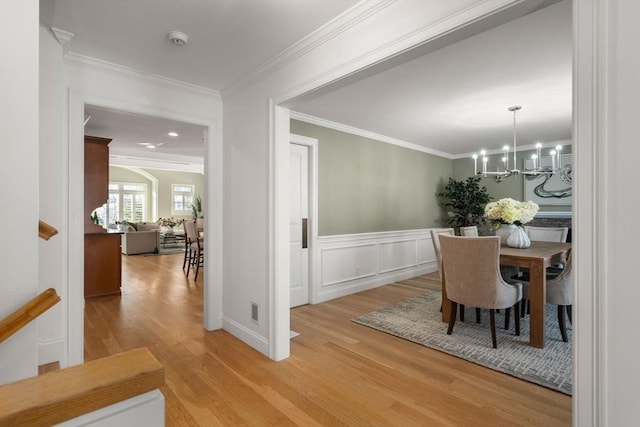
182	196
127	202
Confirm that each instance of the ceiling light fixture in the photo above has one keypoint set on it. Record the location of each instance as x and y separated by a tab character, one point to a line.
178	38
172	134
555	155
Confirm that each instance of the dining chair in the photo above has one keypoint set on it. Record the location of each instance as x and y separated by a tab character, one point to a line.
560	293
196	247
187	248
470	231
436	248
471	267
547	234
541	234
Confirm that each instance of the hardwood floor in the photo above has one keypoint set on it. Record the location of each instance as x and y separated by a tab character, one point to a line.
339	373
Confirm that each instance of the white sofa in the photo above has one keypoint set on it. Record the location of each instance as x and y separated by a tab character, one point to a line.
146	239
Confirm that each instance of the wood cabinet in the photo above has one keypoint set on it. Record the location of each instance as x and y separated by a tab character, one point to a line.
102	257
102	264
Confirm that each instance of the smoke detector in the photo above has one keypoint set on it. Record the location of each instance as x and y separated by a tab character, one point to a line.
178	38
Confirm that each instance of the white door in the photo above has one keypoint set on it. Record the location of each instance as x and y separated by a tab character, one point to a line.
298	224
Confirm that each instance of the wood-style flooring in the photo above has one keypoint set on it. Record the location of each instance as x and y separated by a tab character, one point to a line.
339	373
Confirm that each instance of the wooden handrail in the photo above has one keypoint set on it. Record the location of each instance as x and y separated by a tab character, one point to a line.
68	393
28	312
46	231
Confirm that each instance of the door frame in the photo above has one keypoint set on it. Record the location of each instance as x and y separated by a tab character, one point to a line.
213	173
314	260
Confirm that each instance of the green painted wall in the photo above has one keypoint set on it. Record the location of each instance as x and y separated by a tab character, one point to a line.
371	186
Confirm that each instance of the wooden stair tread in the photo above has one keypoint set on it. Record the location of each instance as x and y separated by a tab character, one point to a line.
67	393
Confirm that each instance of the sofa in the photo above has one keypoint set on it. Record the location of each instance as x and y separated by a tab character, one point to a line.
140	238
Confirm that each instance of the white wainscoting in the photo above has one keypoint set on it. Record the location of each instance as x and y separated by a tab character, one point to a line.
356	262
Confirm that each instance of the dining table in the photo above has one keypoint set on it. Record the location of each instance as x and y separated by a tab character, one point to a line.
536	258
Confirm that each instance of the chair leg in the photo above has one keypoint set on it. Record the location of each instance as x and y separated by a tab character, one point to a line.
186	251
198	258
516	309
507	317
523	307
190	261
563	330
452	316
477	315
462	312
492	317
569	314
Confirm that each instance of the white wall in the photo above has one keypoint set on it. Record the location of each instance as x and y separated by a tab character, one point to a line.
52	206
606	211
256	149
19	148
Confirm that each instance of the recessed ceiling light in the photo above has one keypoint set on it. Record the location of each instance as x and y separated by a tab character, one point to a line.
172	134
177	38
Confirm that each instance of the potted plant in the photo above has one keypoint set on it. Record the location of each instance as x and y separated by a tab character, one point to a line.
196	208
465	201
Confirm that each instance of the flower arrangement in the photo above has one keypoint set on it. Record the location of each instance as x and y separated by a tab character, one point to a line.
169	222
509	211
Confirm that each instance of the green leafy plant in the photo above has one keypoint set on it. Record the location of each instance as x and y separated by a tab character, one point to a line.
465	201
196	208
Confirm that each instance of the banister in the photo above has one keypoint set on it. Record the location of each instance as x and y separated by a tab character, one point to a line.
46	231
28	312
61	395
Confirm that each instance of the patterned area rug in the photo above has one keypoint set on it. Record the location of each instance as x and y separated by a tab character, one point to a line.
419	320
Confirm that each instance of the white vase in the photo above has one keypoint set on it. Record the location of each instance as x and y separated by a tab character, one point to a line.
518	238
504	231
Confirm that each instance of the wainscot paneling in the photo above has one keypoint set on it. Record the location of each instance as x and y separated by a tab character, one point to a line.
356	262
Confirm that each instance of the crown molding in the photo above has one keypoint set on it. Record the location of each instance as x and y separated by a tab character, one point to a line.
348	19
61	36
82	61
366	134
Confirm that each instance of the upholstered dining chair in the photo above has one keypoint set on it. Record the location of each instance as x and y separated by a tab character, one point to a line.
560	293
470	231
196	247
547	234
471	267
436	248
541	234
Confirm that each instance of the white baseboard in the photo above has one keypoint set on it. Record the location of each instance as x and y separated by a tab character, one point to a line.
51	350
245	334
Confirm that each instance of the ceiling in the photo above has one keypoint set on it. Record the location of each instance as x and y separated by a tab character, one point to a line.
453	100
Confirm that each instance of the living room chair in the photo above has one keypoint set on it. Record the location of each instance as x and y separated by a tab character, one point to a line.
471	267
470	231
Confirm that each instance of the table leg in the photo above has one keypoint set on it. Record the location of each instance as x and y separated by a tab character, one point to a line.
537	298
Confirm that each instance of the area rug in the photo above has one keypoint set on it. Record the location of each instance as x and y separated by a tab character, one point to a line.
167	251
419	320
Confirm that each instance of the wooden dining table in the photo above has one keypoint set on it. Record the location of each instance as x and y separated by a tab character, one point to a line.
536	258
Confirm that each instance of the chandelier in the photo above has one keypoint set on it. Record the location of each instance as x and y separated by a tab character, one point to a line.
536	170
